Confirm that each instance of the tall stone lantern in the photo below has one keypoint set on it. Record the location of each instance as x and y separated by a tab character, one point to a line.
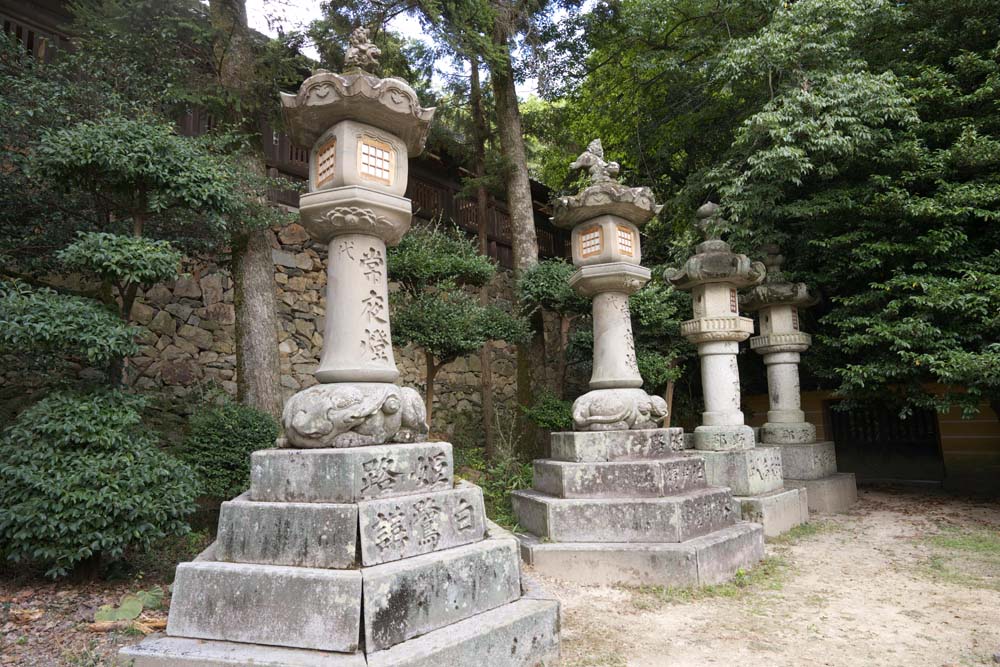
805	462
354	545
618	502
714	275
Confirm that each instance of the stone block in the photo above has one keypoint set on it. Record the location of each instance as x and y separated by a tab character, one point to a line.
813	460
710	559
618	479
778	433
723	438
747	472
672	519
594	446
267	604
347	475
778	511
411	597
402	527
522	634
184	652
830	495
299	534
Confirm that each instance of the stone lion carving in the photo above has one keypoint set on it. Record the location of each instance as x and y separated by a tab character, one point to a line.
618	410
360	51
353	414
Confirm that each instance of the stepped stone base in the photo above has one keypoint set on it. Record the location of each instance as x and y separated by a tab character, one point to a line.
184	652
637	445
702	561
747	472
812	460
778	511
830	495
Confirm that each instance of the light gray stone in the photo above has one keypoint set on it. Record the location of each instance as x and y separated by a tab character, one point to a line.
300	534
348	475
814	460
829	495
711	559
595	446
267	604
778	511
670	519
747	472
184	652
617	479
283	258
408	598
787	433
163	324
618	409
522	634
723	438
402	527
211	289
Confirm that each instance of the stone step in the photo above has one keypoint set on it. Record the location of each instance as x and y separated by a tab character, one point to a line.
299	534
403	527
829	495
813	460
747	472
637	445
267	604
778	511
521	634
185	652
671	519
349	475
710	559
408	598
619	479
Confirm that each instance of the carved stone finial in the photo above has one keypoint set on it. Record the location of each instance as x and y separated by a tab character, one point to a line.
593	161
361	53
709	221
773	259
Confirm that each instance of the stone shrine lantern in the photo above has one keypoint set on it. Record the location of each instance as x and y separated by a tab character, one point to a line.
355	545
605	219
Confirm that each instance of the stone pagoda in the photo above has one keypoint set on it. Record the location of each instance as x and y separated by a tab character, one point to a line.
618	502
714	276
354	546
804	461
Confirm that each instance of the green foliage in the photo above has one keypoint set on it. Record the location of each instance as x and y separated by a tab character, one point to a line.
79	479
546	285
497	479
430	256
550	412
41	321
122	260
130	606
219	444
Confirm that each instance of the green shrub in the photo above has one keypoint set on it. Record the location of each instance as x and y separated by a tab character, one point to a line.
79	479
219	444
550	412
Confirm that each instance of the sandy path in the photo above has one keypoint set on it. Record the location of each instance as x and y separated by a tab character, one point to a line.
869	588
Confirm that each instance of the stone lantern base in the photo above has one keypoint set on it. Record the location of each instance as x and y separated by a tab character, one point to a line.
350	557
813	466
629	507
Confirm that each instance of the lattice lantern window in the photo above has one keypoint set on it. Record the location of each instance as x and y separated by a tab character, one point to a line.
326	158
795	318
626	241
376	160
733	302
591	241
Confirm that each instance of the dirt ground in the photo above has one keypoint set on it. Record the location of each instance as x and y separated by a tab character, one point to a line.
904	579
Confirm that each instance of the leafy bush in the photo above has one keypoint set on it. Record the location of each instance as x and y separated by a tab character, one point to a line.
79	479
431	255
550	412
497	479
219	446
122	260
546	285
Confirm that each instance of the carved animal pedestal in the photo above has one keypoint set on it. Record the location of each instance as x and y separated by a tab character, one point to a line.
713	276
805	462
618	502
354	546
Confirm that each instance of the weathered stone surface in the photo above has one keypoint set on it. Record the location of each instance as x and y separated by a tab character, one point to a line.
747	472
183	372
300	534
163	324
778	511
267	604
142	313
723	438
617	409
829	495
617	479
158	294
594	446
710	559
283	258
671	519
411	597
814	460
200	337
211	289
293	234
402	527
522	634
187	286
184	652
348	475
780	434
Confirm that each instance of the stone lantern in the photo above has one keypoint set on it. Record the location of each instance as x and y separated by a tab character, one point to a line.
714	275
618	502
354	545
805	462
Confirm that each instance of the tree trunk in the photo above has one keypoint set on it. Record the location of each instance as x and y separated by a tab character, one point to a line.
258	371
432	371
668	396
482	212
